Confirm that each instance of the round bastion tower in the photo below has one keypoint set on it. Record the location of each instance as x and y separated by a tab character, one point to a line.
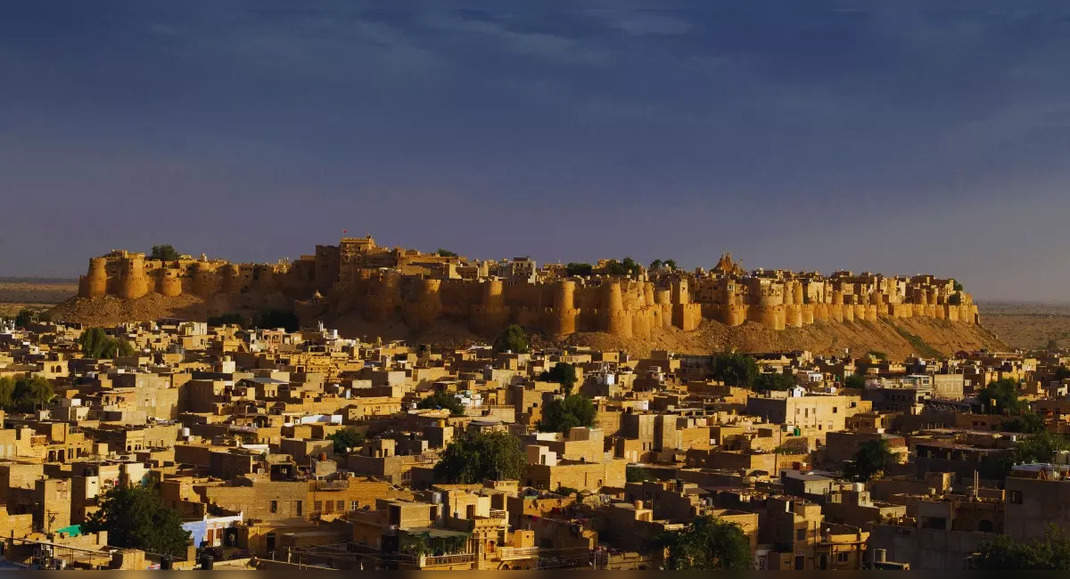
614	321
425	304
793	317
169	282
491	314
768	309
733	311
94	283
663	301
232	281
836	308
133	283
384	296
564	313
204	280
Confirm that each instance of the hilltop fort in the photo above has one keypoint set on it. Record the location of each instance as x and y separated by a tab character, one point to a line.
419	289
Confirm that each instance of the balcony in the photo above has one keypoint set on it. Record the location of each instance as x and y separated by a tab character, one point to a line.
517	553
447	560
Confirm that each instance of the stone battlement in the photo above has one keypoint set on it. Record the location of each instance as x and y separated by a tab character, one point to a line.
420	289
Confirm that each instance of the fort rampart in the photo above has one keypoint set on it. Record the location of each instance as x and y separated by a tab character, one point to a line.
420	289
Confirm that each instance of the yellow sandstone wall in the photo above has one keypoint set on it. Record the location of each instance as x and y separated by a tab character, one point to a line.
622	307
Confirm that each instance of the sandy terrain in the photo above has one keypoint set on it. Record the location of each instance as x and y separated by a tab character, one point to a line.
38	295
1027	325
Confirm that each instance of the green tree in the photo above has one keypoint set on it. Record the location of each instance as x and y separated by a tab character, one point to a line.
443	399
423	543
563	373
1040	447
855	381
775	381
31	393
579	269
625	267
513	339
123	347
656	264
445	253
1050	552
562	414
136	517
229	318
634	473
163	252
671	264
474	458
345	438
24	318
25	394
1029	423
735	369
7	392
1001	397
995	467
708	543
278	319
96	343
872	457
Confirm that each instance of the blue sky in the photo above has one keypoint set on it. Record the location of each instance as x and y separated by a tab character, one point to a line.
888	136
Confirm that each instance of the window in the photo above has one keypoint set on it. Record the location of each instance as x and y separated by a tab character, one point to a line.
274	506
300	508
842	557
318	507
341	506
354	505
1014	497
800	534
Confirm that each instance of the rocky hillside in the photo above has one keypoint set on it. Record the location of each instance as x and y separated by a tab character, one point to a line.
896	338
110	311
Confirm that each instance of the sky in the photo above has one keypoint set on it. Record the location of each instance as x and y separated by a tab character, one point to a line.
900	137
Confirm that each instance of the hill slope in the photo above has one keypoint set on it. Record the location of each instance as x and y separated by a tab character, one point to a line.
897	338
